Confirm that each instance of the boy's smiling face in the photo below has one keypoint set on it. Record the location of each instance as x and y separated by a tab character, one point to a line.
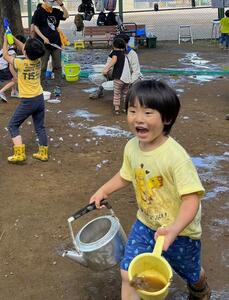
146	124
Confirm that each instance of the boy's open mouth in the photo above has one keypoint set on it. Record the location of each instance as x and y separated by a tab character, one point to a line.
141	129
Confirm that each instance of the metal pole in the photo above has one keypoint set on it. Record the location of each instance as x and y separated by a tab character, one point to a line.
220	13
120	5
29	7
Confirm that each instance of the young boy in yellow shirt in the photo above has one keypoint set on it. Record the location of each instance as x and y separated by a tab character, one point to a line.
31	98
167	188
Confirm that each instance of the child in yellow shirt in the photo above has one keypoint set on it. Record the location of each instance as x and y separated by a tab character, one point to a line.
31	98
167	188
224	30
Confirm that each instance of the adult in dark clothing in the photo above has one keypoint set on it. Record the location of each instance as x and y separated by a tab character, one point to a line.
46	21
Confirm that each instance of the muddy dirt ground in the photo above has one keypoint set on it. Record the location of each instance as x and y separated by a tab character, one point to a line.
86	145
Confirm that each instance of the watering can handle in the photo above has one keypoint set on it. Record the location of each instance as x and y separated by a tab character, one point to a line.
87	209
159	245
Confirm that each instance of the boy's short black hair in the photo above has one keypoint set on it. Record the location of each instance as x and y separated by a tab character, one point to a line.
119	43
227	13
157	95
123	36
34	48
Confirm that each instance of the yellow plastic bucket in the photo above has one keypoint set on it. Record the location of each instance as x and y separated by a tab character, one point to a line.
72	72
155	266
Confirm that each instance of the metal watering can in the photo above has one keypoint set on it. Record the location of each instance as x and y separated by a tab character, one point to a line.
100	244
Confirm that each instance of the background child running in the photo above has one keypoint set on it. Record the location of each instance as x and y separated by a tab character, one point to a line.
7	72
121	72
167	188
224	30
31	98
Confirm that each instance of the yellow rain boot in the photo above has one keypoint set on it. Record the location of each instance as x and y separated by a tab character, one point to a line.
19	155
42	153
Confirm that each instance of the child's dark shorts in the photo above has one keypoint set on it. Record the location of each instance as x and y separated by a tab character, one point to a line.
5	74
183	255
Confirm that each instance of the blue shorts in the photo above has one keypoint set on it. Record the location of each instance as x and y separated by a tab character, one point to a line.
183	255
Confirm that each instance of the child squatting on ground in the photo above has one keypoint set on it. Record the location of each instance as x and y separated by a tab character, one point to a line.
121	72
31	98
167	188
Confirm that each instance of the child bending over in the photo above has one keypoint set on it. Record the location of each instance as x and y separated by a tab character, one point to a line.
167	187
31	98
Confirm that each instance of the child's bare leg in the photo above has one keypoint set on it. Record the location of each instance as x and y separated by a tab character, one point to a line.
118	84
128	292
124	93
14	74
7	86
17	140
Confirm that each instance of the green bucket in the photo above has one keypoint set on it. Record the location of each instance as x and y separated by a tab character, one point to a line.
151	42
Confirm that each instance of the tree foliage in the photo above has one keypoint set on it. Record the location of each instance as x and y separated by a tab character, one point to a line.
10	9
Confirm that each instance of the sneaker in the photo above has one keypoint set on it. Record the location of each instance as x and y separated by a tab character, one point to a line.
14	94
96	95
57	91
3	96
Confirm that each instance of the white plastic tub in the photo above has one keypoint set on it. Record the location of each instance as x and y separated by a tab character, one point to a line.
98	68
108	85
47	95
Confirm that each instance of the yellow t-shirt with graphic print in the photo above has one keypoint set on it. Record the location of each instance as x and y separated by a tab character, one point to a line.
29	73
160	177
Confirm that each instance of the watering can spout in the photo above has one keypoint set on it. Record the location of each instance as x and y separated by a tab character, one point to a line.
74	255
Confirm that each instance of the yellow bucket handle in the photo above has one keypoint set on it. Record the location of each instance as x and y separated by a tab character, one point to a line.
159	245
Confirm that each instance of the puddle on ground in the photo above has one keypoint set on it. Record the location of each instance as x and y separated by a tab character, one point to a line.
82	113
225	258
77	125
110	131
203	78
90	90
210	171
208	162
193	59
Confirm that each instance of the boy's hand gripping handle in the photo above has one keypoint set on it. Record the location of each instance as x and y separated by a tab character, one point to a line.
87	209
79	214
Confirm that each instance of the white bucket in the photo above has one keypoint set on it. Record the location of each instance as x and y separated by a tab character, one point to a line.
108	85
98	68
47	95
